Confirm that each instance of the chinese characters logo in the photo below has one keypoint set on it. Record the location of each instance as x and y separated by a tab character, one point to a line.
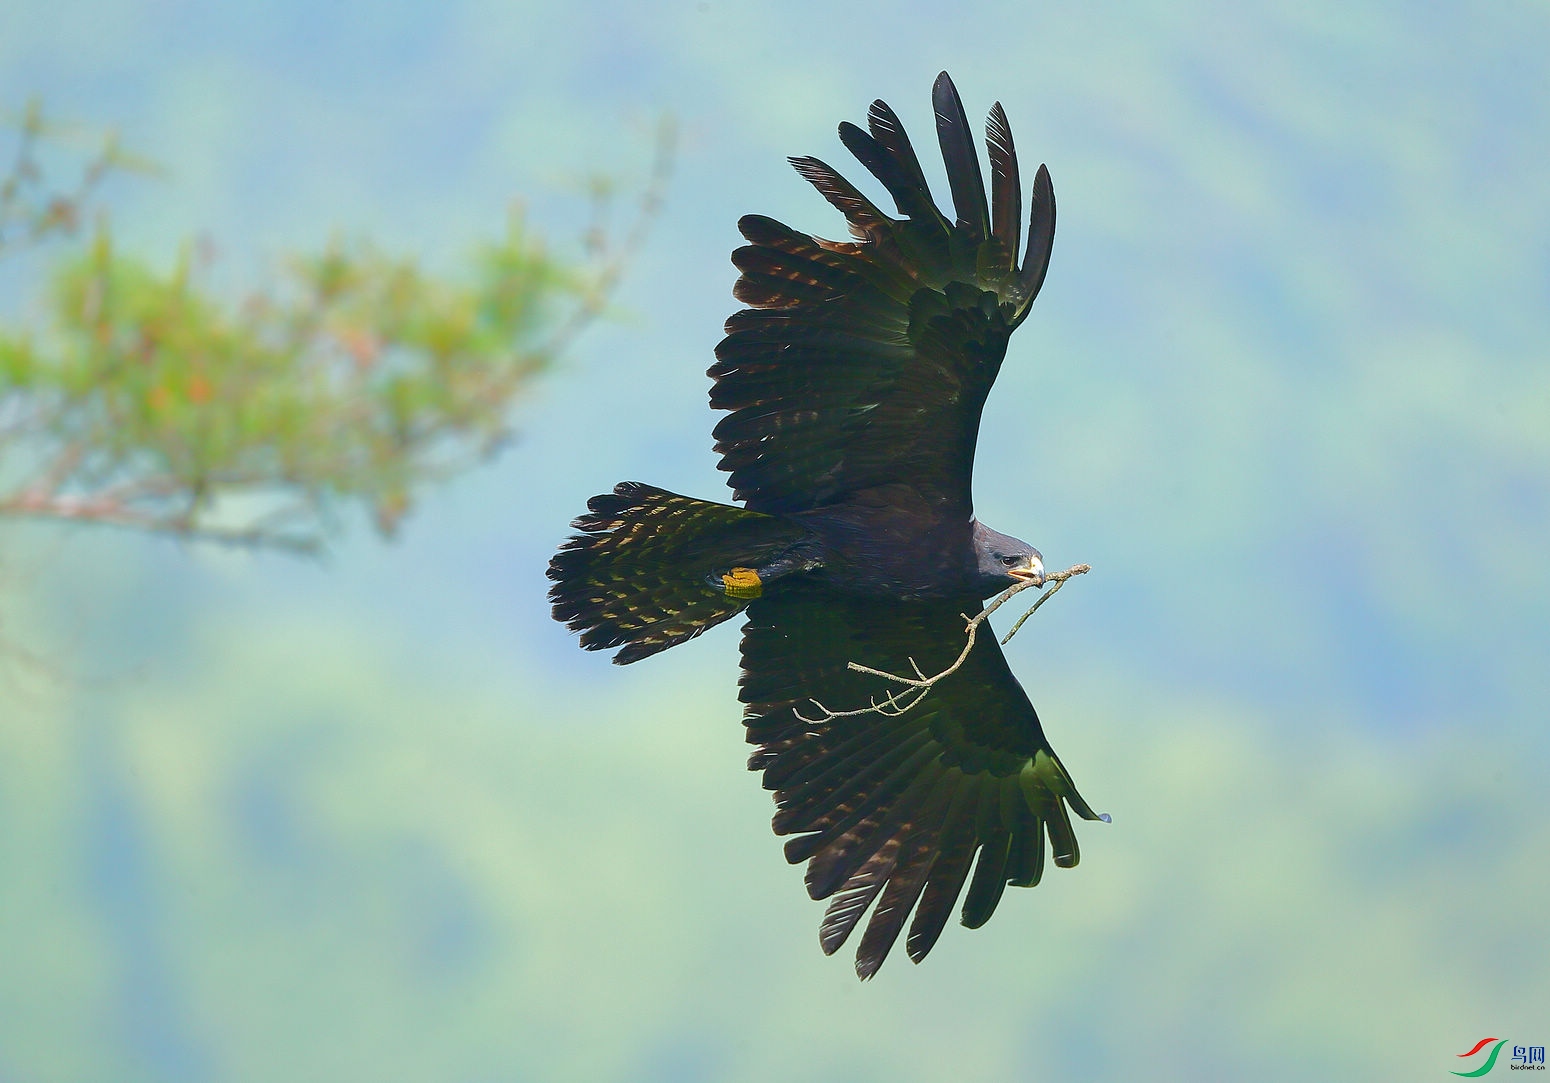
1524	1057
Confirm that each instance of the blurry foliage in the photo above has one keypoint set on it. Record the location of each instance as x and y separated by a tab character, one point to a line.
150	401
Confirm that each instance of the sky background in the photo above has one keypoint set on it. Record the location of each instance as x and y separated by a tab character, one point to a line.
1287	389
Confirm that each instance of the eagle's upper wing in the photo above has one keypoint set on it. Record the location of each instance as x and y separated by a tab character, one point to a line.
867	362
894	808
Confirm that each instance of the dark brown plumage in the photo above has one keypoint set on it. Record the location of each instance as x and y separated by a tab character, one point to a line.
853	384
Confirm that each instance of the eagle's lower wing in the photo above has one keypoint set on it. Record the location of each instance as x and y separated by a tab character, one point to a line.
868	362
894	808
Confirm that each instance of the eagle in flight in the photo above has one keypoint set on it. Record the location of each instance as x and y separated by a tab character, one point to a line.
853	384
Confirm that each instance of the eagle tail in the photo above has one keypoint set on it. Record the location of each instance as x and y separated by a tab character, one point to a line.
650	569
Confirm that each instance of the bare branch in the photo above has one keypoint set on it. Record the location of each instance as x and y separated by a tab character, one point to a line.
1059	579
616	258
30	211
112	512
914	689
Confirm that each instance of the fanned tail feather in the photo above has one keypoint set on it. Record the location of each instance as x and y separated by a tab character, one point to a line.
636	575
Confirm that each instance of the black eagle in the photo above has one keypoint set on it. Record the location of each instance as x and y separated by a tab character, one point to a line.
854	383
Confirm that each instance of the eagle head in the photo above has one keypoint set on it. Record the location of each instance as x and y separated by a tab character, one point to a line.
1001	560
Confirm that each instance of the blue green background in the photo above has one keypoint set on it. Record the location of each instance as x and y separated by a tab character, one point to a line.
1287	389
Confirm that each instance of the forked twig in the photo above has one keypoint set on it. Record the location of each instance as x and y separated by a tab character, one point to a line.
897	701
614	258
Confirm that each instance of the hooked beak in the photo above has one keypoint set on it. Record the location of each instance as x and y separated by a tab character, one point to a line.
1035	573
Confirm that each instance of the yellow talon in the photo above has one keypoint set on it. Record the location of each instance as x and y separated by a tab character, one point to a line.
742	583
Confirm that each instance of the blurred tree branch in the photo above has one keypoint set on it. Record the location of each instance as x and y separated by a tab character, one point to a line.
32	212
152	403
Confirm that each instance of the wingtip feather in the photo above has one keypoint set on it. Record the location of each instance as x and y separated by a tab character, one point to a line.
1005	184
1041	237
962	161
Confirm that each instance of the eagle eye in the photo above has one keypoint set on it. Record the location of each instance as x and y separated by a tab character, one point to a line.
1010	562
